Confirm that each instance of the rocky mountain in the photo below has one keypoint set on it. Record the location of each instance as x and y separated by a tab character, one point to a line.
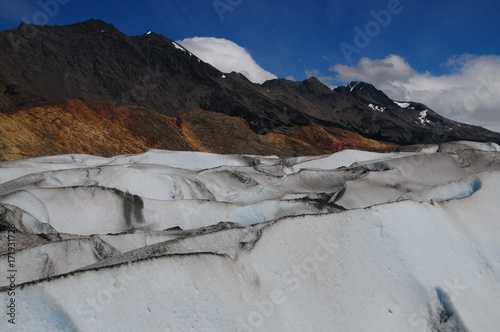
106	129
92	60
362	108
411	120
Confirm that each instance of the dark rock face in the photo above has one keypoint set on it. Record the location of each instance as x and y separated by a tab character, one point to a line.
92	60
418	122
363	109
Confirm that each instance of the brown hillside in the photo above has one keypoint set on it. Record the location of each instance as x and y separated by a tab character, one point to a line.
108	129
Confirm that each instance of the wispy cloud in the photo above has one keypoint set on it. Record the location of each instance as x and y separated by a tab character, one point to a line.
469	92
227	56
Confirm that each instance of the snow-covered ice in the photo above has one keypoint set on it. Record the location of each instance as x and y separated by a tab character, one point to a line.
176	241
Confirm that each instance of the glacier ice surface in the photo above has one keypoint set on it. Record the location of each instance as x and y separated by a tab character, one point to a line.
356	241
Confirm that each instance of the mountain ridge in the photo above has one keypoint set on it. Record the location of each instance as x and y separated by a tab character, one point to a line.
93	60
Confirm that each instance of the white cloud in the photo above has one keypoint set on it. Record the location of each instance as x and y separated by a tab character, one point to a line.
227	56
391	68
470	92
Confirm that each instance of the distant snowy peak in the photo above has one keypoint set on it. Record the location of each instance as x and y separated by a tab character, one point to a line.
396	116
351	86
356	86
374	98
367	93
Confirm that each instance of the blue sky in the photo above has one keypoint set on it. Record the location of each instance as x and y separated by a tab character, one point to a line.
417	49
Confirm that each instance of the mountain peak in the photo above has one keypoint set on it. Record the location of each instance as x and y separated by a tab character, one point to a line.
95	23
313	80
360	85
315	86
365	92
353	85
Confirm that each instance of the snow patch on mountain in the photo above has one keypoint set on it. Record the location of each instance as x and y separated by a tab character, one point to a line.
177	46
423	118
377	108
401	104
353	86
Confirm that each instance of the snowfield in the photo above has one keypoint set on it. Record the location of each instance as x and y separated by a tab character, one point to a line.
181	241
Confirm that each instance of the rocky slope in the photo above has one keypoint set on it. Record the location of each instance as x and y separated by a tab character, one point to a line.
108	129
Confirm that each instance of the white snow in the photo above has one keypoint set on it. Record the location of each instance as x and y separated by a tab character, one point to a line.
402	104
377	108
353	241
423	117
223	76
177	46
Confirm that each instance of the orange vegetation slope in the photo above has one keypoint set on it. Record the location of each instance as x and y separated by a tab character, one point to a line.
108	129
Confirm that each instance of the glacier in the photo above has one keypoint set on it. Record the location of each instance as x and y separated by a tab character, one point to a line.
177	241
